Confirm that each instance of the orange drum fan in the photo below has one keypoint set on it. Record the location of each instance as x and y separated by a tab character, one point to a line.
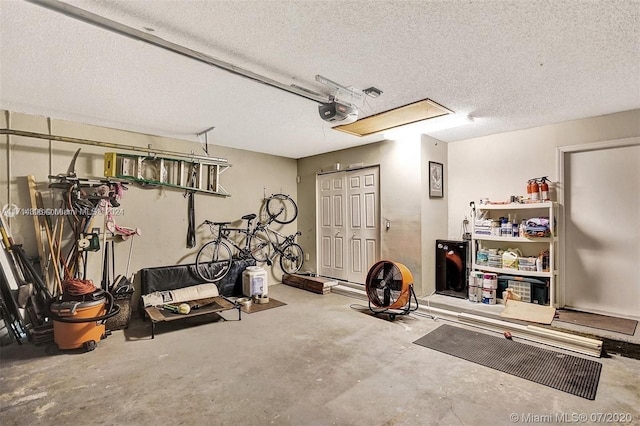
390	287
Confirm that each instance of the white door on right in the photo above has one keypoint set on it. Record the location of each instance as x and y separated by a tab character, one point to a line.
363	222
332	225
602	218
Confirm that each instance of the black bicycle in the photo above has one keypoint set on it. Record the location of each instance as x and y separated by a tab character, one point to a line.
262	243
281	209
213	261
266	243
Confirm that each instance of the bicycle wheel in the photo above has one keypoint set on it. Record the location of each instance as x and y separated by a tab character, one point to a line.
282	208
259	246
291	258
213	261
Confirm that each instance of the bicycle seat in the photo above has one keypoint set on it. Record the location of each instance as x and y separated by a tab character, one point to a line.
249	216
221	223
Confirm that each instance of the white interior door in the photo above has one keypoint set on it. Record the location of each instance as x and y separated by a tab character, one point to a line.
332	226
363	223
348	223
602	242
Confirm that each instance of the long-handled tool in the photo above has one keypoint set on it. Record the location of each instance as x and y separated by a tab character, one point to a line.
105	267
126	274
52	252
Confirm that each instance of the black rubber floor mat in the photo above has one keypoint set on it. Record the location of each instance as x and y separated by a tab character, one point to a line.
568	373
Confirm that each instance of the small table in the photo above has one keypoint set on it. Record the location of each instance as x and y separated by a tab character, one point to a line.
199	307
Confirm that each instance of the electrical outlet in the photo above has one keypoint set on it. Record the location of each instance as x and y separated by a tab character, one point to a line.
306	256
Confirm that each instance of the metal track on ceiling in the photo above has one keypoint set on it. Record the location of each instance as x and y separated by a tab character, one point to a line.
116	27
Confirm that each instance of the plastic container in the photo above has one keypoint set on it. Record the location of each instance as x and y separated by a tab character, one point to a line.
489	287
490	281
522	289
473	293
488	296
475	287
527	263
482	256
494	260
478	277
510	258
254	281
532	290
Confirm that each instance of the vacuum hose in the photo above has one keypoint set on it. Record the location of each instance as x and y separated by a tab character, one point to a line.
111	311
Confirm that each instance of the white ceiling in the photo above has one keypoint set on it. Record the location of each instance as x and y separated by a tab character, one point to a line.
509	64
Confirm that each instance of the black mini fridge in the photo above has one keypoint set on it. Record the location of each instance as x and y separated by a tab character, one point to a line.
452	268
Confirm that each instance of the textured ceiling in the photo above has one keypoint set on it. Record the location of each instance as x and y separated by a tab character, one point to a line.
510	64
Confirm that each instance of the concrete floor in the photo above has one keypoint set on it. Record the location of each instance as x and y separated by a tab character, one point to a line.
315	361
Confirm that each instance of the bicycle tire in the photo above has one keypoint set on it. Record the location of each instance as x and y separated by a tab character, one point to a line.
282	209
216	252
291	258
259	246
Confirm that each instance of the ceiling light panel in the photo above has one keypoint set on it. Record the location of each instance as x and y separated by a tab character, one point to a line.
412	113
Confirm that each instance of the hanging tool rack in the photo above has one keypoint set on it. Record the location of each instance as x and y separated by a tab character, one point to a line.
209	167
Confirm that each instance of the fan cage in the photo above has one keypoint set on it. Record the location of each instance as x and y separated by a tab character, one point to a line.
389	285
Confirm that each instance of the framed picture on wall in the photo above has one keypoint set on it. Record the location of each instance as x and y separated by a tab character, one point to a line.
436	180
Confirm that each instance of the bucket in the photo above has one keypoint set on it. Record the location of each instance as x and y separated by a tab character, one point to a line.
477	278
254	281
489	296
474	293
475	286
490	281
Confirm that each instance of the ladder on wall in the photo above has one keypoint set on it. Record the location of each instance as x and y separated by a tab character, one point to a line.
194	175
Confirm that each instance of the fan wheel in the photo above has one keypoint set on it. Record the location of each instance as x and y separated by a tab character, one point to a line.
389	285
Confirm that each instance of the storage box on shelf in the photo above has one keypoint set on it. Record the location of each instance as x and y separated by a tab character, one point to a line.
532	290
519	241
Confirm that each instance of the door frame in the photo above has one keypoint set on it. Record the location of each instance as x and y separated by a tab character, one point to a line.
561	155
317	221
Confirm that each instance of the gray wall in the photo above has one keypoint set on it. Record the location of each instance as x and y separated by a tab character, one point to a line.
434	210
493	166
498	166
160	213
404	201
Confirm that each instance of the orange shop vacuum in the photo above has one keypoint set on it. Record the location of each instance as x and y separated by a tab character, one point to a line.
78	319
